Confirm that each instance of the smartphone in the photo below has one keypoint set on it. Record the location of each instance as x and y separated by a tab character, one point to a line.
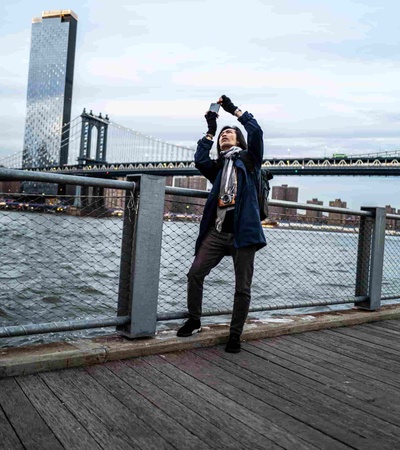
214	107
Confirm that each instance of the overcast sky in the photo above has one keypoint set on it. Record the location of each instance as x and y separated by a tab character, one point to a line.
321	76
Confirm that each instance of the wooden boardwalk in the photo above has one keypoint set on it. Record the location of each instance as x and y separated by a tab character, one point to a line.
331	389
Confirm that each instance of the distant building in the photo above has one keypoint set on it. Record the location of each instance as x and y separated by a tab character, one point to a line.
10	187
337	218
352	220
183	205
391	223
286	193
114	198
49	97
196	182
314	216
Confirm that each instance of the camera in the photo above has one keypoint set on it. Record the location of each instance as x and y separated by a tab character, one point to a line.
226	200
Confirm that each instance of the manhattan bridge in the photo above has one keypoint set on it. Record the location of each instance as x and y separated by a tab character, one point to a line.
97	146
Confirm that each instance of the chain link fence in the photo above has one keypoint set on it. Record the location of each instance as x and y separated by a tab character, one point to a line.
308	261
60	257
59	261
391	267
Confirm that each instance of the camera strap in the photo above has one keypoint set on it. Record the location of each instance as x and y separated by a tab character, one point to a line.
228	187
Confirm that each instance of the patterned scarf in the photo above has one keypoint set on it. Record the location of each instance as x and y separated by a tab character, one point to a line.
228	184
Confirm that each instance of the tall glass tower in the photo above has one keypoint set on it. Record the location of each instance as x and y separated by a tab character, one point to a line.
49	98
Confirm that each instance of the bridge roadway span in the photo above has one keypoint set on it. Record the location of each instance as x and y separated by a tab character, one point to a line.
389	166
329	389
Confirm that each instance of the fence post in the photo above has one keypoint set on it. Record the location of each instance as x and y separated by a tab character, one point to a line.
141	255
371	245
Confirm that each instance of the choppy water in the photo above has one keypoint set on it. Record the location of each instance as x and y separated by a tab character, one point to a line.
56	268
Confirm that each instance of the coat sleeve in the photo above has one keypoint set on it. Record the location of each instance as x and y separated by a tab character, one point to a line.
207	166
254	137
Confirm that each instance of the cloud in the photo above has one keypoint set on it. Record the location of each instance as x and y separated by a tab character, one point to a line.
158	64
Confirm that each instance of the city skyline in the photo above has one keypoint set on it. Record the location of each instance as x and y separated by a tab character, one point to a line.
292	193
320	79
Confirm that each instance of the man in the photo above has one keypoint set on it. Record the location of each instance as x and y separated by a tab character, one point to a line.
231	219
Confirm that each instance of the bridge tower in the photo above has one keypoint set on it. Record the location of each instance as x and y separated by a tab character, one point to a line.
90	121
91	200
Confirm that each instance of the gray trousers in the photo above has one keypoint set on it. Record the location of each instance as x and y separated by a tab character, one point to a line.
213	248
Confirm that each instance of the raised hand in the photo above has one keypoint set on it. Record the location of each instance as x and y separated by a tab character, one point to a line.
211	118
227	104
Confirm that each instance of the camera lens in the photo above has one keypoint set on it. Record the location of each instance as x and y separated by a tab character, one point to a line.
226	199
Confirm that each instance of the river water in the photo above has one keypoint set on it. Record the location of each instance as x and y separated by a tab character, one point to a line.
58	267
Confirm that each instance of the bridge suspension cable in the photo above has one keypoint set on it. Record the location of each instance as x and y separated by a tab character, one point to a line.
70	136
126	145
123	145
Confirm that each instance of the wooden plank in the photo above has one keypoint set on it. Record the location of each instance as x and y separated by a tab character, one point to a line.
62	422
340	373
229	396
332	358
341	346
256	389
211	435
105	431
332	379
378	327
339	415
379	336
383	333
247	428
365	351
31	429
123	421
389	324
8	438
373	343
172	431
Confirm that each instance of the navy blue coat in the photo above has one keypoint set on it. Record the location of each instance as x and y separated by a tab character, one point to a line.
247	224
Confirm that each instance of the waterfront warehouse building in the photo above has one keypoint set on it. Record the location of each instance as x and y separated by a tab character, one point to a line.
49	97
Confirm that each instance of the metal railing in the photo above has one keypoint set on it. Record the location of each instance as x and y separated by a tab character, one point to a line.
309	261
60	254
93	257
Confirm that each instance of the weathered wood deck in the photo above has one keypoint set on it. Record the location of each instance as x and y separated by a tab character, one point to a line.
331	389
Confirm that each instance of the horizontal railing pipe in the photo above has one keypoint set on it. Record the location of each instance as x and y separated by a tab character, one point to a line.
204	194
54	327
186	192
392	216
24	175
270	307
390	297
312	207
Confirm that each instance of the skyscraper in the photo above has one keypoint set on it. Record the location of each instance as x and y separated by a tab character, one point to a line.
49	97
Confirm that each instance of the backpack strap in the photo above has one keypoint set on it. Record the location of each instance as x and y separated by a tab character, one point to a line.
248	161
